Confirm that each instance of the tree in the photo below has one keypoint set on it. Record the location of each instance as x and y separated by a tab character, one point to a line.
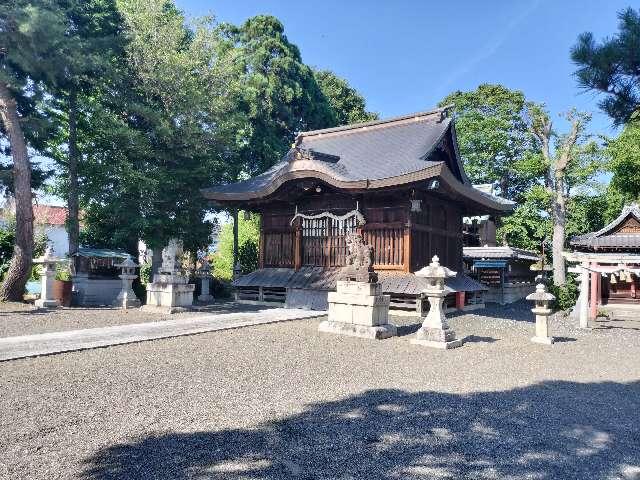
567	163
493	136
280	95
32	42
248	239
158	132
347	105
624	162
612	67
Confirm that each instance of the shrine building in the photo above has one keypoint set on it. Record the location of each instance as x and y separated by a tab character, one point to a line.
399	182
609	265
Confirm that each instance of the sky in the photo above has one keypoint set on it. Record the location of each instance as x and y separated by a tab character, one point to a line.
405	56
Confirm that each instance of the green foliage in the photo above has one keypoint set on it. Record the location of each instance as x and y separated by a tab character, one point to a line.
63	273
494	138
347	105
566	295
612	67
529	225
249	235
145	273
624	162
279	95
7	239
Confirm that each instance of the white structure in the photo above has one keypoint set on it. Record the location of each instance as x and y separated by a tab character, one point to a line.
435	331
358	309
170	290
542	311
48	275
127	298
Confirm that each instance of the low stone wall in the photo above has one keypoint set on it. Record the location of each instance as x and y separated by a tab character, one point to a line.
94	292
512	293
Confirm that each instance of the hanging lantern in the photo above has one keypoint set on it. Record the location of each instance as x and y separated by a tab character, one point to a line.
613	280
629	279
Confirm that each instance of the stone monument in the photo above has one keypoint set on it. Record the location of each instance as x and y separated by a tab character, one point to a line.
435	331
127	298
48	275
170	290
358	308
542	312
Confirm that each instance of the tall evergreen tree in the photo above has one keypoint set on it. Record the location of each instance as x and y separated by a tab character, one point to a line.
612	67
33	47
347	105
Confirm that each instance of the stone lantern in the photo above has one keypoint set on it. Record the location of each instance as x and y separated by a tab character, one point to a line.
205	278
48	262
435	331
542	311
127	298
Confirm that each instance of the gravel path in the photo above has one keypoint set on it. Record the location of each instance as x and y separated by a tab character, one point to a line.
282	401
23	319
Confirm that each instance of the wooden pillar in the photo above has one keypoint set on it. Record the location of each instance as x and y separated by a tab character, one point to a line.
297	248
407	249
460	300
595	293
261	249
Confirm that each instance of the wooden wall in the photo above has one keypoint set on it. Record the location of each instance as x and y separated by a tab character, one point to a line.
402	240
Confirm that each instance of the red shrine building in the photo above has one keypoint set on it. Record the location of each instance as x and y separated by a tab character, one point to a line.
399	182
608	262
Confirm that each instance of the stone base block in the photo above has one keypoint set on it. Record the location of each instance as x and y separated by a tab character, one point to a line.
169	295
127	303
543	340
41	303
377	332
437	338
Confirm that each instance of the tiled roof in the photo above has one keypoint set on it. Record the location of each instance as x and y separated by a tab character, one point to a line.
365	156
49	215
499	252
606	238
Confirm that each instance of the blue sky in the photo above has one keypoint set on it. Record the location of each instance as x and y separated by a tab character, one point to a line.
405	56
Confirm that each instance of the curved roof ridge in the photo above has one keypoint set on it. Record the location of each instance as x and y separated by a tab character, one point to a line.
383	122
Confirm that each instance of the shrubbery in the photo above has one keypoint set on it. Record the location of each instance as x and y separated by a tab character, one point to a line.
566	295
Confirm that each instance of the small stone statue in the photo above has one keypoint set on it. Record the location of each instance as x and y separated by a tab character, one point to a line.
359	266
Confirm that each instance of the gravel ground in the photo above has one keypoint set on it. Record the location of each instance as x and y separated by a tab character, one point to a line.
24	319
282	401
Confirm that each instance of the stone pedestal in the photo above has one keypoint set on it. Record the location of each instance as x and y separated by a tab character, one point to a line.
205	296
435	331
358	309
46	299
127	298
542	327
48	276
169	292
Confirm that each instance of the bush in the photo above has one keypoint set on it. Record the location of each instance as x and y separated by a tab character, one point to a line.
248	256
566	295
145	273
63	273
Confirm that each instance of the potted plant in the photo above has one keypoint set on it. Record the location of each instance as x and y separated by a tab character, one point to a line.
62	285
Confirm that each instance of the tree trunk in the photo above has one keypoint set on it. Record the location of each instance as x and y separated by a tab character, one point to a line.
559	222
19	271
73	223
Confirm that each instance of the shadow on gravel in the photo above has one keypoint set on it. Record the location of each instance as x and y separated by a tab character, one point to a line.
479	339
548	430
